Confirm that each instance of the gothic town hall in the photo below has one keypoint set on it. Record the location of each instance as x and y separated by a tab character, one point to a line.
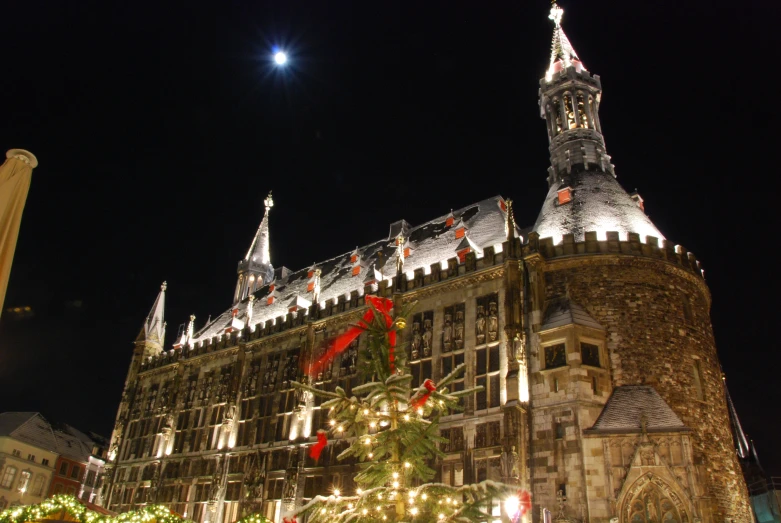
588	330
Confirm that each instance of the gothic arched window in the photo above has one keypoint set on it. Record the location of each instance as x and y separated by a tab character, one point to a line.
652	504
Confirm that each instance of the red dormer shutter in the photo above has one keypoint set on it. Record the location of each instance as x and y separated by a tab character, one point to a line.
406	252
462	254
270	300
449	221
310	274
356	270
310	287
460	233
353	258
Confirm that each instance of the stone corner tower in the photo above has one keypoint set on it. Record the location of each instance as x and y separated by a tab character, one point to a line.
628	416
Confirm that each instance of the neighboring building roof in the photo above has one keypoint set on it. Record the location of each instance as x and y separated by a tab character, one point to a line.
561	312
624	411
33	428
29	427
599	203
431	242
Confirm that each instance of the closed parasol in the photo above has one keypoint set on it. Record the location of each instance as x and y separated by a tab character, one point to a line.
15	175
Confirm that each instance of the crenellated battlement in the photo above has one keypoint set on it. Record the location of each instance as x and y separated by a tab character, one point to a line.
652	248
436	273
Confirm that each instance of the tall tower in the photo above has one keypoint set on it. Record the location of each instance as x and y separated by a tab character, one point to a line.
580	176
255	270
149	343
628	412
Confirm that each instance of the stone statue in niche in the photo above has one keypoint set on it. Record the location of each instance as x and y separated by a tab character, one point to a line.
517	348
417	340
493	322
459	330
480	324
428	337
510	464
447	333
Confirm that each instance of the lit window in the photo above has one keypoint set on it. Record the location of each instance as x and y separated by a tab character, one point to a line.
24	481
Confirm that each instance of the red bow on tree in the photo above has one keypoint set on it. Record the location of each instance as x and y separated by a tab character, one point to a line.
383	306
419	402
318	447
524	505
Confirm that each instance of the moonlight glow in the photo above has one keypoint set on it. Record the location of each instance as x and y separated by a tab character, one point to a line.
280	58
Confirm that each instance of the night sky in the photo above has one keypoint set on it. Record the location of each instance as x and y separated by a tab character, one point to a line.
160	129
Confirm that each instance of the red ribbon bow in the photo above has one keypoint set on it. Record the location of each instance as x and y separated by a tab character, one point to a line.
525	504
419	402
318	447
383	306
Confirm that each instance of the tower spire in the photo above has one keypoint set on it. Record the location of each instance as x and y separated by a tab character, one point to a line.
562	54
152	333
583	194
255	270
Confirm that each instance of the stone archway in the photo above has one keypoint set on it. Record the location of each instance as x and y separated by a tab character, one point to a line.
650	499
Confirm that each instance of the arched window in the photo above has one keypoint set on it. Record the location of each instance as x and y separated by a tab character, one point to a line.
569	110
583	116
651	500
556	120
9	474
550	118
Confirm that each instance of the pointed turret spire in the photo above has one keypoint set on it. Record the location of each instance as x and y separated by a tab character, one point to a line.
583	194
255	270
152	332
259	250
562	54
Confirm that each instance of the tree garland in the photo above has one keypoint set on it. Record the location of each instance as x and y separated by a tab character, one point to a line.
73	507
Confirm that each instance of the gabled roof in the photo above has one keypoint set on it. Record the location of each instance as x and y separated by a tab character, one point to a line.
563	311
29	427
629	405
433	242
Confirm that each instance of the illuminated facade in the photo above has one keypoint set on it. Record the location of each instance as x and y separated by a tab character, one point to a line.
590	335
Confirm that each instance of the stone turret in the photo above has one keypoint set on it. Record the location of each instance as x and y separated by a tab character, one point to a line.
255	270
617	314
583	193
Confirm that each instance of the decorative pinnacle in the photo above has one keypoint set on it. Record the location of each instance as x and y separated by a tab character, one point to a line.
268	202
556	13
164	286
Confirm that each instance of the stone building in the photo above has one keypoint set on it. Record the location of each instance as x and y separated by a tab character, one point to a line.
590	334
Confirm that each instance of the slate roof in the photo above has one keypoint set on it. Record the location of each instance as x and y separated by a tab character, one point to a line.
563	311
29	427
33	428
599	203
628	403
434	241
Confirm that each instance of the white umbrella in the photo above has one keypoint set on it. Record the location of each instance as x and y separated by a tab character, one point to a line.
15	175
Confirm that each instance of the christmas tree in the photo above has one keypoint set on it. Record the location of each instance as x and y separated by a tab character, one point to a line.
392	431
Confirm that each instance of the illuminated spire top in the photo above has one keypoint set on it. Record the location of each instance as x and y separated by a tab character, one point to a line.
562	54
259	250
154	326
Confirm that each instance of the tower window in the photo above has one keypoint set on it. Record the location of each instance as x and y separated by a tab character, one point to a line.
589	354
697	371
559	430
555	356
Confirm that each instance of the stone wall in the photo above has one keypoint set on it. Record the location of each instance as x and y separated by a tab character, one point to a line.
659	333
